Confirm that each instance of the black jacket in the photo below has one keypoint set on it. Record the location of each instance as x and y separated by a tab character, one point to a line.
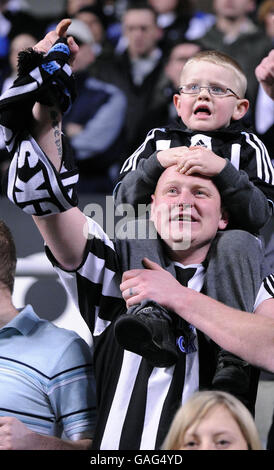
245	184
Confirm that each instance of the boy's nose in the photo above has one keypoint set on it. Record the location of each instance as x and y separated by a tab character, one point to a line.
204	92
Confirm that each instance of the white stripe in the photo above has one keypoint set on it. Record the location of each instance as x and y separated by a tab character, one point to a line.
131	162
51	174
64	382
120	403
263	294
235	155
20	90
258	152
11	177
191	383
163	144
70	180
100	324
269	170
67	69
37	75
95	271
158	386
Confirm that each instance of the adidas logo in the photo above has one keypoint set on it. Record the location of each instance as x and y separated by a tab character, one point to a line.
201	143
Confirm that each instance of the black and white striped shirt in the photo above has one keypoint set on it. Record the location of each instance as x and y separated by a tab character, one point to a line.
136	402
246	184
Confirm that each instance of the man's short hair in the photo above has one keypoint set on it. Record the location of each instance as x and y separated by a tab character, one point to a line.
7	256
141	5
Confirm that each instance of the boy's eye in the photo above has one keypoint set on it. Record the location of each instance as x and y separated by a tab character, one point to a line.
193	87
218	89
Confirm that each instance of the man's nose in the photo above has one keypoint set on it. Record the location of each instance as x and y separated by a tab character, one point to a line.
186	198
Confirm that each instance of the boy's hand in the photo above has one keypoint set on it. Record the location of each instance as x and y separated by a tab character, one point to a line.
171	156
200	160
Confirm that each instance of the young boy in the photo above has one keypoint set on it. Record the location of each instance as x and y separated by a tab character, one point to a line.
210	140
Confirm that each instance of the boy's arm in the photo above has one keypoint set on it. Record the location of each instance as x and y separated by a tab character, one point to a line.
249	208
247	192
141	171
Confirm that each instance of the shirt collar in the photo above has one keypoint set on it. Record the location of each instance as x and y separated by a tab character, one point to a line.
24	321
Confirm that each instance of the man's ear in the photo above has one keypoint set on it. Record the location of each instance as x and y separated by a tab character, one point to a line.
240	109
224	219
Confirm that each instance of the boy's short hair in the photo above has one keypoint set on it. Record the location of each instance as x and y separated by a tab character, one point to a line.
219	58
8	257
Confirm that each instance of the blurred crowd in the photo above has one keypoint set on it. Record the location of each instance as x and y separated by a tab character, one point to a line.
128	67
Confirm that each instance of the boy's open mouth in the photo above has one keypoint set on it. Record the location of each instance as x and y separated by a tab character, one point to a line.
201	109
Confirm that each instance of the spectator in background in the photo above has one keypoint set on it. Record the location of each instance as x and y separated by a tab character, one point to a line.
165	89
266	17
72	6
95	122
95	19
15	20
22	41
213	420
264	106
137	70
179	20
238	36
173	18
43	369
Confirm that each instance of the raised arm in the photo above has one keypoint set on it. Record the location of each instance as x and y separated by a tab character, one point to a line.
42	176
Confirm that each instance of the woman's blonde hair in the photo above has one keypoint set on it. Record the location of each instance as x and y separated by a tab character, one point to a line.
195	409
219	58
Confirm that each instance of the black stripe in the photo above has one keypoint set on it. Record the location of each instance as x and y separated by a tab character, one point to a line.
173	400
134	421
269	289
76	412
97	247
41	373
26	365
27	414
82	366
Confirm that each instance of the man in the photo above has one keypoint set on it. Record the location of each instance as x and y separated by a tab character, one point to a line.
137	70
136	401
96	138
235	34
42	369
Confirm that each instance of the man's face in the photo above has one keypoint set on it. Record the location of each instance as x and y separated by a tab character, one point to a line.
233	9
178	57
186	211
141	32
203	111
